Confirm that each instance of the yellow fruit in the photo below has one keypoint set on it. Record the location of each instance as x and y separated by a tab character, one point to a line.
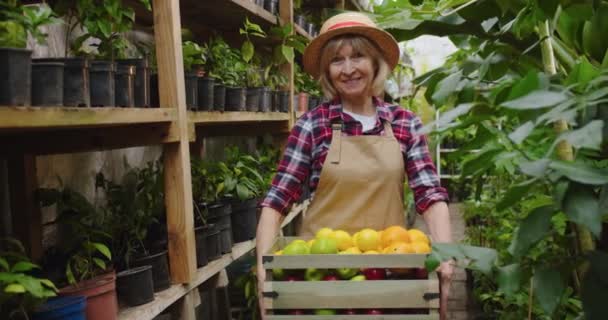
310	242
417	236
420	247
324	233
343	239
371	252
394	234
352	250
368	239
399	248
278	253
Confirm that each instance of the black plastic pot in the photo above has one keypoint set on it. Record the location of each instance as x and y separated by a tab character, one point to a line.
206	251
265	99
124	82
191	90
47	83
244	220
275	100
300	20
141	84
253	99
213	245
160	269
271	6
135	286
101	74
219	214
284	101
260	3
235	99
310	28
219	97
76	83
154	94
16	75
205	93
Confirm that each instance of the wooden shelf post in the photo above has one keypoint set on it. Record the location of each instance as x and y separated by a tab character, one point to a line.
176	156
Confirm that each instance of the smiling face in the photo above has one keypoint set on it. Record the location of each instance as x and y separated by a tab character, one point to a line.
351	72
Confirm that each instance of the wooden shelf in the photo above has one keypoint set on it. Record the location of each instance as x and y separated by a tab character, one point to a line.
211	124
165	298
216	117
45	118
302	32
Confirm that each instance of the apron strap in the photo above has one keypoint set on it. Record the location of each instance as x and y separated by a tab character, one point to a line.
388	129
336	136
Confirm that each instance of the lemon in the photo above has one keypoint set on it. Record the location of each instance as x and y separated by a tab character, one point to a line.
417	236
351	250
310	242
343	239
420	247
368	239
278	253
324	233
371	252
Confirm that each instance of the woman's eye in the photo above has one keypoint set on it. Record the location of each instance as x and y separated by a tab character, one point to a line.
337	60
357	55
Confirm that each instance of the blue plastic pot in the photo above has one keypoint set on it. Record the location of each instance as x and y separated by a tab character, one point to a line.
62	308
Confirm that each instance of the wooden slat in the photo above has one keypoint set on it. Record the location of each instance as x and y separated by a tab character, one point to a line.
178	184
333	261
26	216
27	118
201	118
378	294
165	298
355	317
302	32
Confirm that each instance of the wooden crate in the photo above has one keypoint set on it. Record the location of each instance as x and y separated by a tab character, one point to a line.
397	295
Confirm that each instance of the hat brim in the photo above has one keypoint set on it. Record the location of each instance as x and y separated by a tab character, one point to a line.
384	41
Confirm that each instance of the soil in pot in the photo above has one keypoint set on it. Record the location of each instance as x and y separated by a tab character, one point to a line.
154	95
271	6
219	214
141	83
62	308
244	220
219	97
47	83
160	269
252	101
265	99
284	101
101	74
235	99
205	93
101	296
15	82
135	286
191	90
124	81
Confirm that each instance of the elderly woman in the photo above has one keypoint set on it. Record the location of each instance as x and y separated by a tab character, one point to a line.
355	150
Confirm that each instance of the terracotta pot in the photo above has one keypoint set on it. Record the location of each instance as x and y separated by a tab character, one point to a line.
101	296
303	102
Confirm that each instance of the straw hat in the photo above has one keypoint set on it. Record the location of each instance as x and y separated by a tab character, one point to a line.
350	23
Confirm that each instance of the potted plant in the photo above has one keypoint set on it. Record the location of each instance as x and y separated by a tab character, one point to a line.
217	50
253	75
23	291
16	22
193	56
235	70
87	271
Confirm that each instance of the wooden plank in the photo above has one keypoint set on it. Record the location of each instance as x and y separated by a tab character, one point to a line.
378	294
201	118
302	32
187	306
26	217
356	317
243	129
333	261
165	298
23	118
90	139
178	184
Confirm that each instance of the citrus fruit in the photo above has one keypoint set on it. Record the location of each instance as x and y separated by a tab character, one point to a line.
299	241
371	252
417	236
278	253
296	248
310	242
324	233
368	239
394	234
351	250
420	247
324	246
343	239
399	248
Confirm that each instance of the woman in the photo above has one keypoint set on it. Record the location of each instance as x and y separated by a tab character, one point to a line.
355	150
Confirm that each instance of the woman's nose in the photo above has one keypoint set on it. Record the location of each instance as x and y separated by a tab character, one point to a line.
348	66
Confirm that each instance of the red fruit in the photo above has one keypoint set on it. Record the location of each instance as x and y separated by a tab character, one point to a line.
295	312
349	311
293	277
330	277
373	311
375	274
421	273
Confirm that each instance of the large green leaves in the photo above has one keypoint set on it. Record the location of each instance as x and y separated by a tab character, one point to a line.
481	259
532	229
548	288
581	172
595	286
509	278
589	136
514	194
536	100
582	206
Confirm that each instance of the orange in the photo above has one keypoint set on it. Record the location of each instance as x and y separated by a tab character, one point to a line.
417	236
399	248
370	252
367	239
420	247
394	234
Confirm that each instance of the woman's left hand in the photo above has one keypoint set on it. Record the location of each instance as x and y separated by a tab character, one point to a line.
445	270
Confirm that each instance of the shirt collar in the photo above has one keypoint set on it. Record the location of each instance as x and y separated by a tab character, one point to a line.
335	110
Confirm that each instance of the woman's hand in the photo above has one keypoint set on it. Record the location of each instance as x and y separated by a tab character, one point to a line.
261	274
445	271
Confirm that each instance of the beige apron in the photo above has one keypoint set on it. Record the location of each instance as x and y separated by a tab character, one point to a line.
361	184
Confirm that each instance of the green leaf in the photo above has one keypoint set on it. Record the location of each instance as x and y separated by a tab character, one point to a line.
287	52
536	100
480	162
595	286
531	230
100	263
432	261
548	288
105	27
447	86
582	206
23	266
536	168
509	279
69	274
4	264
580	172
589	136
522	132
247	51
514	194
582	73
481	259
103	249
14	288
525	85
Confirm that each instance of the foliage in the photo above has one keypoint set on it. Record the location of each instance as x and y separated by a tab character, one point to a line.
250	29
21	290
193	55
268	157
284	52
502	77
306	83
17	21
207	181
83	238
226	63
248	282
132	207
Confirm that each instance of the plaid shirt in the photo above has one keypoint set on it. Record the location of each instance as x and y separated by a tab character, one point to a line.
309	141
